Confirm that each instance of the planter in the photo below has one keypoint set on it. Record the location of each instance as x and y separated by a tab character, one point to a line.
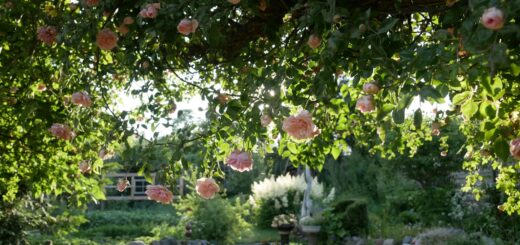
311	228
284	230
310	232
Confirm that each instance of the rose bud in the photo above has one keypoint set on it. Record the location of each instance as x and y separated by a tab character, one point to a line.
514	148
128	20
81	99
492	19
314	41
371	87
265	120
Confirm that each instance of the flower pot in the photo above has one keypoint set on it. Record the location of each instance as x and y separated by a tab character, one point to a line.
310	232
311	228
284	230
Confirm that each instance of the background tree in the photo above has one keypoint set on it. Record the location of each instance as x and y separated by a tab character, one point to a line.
62	62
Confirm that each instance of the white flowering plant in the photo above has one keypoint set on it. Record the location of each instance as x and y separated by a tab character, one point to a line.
279	195
283	219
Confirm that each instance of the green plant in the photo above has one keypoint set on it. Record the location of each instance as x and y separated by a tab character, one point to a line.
346	217
213	220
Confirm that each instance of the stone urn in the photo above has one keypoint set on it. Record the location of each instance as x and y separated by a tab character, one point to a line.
311	232
284	230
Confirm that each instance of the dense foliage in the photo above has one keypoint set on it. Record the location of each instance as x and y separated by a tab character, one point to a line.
62	66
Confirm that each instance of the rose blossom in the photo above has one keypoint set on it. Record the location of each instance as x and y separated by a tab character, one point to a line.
492	18
207	187
514	148
222	98
234	2
41	87
262	6
81	99
47	34
61	131
128	20
106	39
265	120
84	167
122	184
123	29
300	126
92	3
371	88
240	161
159	193
314	41
187	26
150	11
365	103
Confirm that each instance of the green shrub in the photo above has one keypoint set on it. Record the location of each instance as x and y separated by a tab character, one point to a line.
214	220
347	217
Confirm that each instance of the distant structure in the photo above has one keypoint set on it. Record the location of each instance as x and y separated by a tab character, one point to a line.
137	188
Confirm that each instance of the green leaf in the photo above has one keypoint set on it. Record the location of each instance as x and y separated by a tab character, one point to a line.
487	109
335	151
515	69
292	147
384	111
469	109
417	118
388	25
398	116
461	98
429	92
501	149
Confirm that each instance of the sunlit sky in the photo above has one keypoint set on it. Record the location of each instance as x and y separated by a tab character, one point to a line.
198	107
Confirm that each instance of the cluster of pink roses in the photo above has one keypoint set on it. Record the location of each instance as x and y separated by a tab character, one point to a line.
366	103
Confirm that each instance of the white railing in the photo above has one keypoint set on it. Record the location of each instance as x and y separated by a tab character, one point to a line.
136	189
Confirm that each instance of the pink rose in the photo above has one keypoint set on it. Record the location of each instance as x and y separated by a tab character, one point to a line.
207	187
262	6
41	87
92	3
222	98
159	193
187	26
265	120
123	29
106	39
371	88
234	2
61	131
128	20
47	34
122	184
81	99
492	18
150	12
514	148
314	41
84	167
365	103
300	126
240	161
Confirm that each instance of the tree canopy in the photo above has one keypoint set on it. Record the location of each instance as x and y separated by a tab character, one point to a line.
322	70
